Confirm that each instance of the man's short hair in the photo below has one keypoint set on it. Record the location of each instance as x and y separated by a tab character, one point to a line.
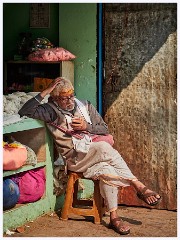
63	88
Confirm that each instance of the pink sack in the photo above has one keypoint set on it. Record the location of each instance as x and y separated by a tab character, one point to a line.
51	54
14	158
106	138
31	185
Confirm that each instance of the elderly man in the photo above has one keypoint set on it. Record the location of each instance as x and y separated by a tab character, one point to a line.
73	124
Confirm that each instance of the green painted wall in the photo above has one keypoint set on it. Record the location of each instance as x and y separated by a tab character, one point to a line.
77	25
16	20
72	26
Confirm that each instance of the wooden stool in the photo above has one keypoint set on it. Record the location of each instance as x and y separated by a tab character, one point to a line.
77	206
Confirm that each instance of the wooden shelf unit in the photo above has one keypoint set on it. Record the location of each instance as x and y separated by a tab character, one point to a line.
23	131
23	72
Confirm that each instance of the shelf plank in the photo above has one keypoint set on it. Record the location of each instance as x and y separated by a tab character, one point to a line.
27	212
23	169
25	124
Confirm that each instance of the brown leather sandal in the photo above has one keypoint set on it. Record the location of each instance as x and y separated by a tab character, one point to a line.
117	225
143	196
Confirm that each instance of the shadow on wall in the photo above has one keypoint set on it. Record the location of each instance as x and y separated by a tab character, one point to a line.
134	33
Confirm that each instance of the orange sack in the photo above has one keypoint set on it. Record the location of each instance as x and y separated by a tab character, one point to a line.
14	156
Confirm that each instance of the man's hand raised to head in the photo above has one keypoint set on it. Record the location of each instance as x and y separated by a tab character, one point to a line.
50	87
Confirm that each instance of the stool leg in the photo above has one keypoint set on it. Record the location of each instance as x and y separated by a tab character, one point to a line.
75	200
68	197
97	202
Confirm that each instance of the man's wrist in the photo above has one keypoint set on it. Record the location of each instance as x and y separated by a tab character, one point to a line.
38	98
44	93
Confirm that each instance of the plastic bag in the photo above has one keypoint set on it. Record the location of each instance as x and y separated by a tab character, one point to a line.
10	194
31	185
14	156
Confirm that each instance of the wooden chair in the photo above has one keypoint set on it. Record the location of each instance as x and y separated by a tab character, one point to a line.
72	204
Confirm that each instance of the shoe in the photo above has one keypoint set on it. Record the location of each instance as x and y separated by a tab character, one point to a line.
117	225
143	196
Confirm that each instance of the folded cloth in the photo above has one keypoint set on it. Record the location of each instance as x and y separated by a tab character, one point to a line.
82	145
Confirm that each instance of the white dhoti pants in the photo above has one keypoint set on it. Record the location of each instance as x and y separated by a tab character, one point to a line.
103	162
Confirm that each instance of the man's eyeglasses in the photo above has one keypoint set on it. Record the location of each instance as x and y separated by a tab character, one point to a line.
65	99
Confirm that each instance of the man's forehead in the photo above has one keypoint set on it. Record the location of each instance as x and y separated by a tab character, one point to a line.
66	94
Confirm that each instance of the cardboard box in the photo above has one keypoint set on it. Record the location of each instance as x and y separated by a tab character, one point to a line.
41	83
